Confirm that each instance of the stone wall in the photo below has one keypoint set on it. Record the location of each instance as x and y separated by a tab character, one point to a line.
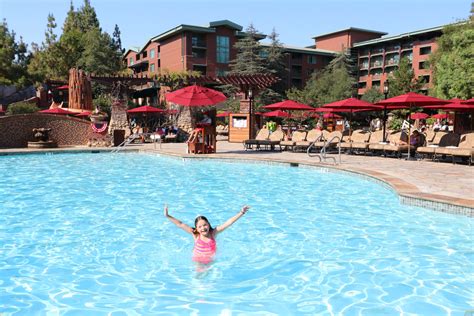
17	130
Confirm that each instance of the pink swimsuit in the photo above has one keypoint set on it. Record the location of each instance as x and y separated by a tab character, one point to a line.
204	251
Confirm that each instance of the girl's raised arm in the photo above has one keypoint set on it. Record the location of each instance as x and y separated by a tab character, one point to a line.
232	220
177	222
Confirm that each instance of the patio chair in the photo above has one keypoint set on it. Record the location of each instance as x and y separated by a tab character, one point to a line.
274	139
333	137
464	150
357	141
429	149
262	134
376	142
396	145
312	136
297	136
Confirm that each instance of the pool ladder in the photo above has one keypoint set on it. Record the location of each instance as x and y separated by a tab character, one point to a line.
131	138
322	155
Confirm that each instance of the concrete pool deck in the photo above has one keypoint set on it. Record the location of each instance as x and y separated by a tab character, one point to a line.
437	185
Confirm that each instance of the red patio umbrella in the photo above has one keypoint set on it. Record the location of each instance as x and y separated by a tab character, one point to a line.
351	105
440	116
276	113
60	111
419	116
64	87
195	96
469	101
146	109
84	114
454	105
408	101
331	115
289	105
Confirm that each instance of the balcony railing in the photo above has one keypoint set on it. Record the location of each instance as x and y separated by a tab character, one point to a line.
375	51
376	64
407	46
364	66
394	48
391	62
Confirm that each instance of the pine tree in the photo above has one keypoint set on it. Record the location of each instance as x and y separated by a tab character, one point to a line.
116	40
13	58
403	79
248	60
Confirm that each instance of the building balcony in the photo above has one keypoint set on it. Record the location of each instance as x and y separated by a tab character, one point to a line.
392	49
392	62
364	52
363	78
377	64
364	66
407	46
375	51
377	76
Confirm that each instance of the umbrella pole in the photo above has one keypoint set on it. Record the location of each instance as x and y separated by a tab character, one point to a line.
384	122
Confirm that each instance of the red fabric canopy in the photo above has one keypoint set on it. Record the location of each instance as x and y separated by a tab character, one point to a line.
84	114
276	113
145	109
418	116
64	87
60	111
410	99
440	116
331	115
469	101
348	105
289	105
195	96
455	105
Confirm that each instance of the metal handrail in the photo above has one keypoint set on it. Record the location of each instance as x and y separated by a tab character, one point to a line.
322	155
131	138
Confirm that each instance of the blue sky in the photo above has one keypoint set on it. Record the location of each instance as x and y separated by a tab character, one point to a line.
297	21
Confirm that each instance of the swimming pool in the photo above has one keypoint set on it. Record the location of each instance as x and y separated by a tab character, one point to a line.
85	234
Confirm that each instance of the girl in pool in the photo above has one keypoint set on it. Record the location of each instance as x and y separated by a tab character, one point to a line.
204	235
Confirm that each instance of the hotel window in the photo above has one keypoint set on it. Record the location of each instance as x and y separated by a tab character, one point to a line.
425	50
221	72
152	67
131	61
423	65
152	53
312	60
223	49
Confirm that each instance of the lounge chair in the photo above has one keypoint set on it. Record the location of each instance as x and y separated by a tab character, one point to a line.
262	134
333	137
297	136
465	149
429	149
396	145
357	141
376	141
274	139
312	136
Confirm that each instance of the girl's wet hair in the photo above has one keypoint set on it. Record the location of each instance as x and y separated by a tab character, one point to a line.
204	218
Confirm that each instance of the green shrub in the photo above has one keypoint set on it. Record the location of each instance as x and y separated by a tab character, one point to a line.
22	108
104	103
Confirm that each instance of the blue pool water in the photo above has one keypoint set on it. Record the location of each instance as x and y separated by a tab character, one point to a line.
84	234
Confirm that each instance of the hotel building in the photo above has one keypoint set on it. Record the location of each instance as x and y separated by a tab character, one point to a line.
210	49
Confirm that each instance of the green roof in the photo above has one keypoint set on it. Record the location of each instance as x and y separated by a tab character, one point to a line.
182	28
398	37
351	29
305	50
228	23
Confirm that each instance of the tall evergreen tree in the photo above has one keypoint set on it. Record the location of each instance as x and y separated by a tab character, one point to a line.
333	83
117	41
13	58
249	60
403	79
